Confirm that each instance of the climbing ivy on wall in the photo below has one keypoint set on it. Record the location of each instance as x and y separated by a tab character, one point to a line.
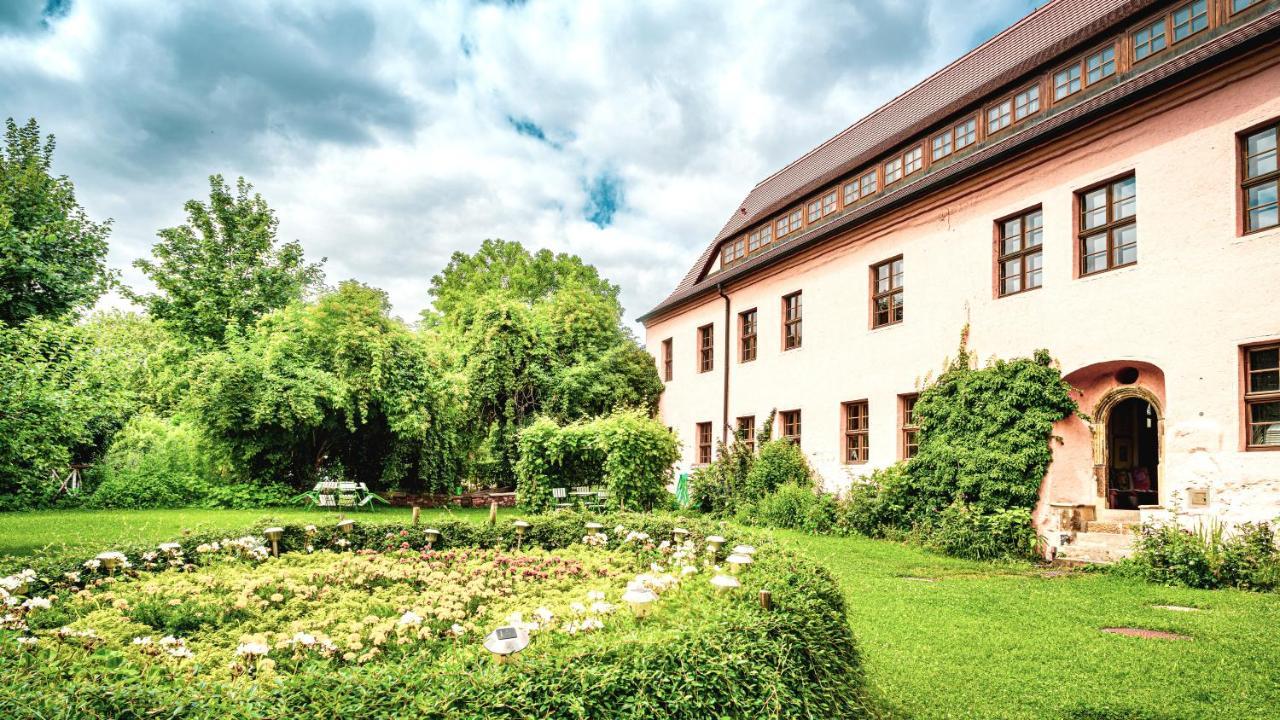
985	432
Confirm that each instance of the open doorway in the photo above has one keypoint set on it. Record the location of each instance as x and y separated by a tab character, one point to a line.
1133	449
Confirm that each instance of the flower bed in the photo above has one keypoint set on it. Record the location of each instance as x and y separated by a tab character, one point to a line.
372	623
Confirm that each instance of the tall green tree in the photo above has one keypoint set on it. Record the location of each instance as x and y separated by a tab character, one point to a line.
52	256
224	266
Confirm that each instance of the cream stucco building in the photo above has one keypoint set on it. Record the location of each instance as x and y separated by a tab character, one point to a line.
1100	180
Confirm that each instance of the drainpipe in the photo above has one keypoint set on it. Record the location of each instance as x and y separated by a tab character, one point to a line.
728	337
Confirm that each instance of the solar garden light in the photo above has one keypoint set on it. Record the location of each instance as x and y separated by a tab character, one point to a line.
678	535
170	548
432	536
594	528
640	598
738	562
520	526
505	642
725	583
744	550
714	543
347	525
274	534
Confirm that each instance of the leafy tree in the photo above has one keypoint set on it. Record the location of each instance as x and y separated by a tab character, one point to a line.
336	386
52	256
224	267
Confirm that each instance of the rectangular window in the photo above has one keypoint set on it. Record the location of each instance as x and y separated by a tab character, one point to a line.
1100	65
732	252
759	237
850	193
1261	184
999	117
857	445
868	183
791	425
1066	82
886	293
910	430
1238	5
1149	40
1262	396
791	319
942	145
706	348
822	207
704	443
1190	19
789	223
1108	226
747	431
666	360
893	171
966	133
1020	256
1026	103
747	335
913	160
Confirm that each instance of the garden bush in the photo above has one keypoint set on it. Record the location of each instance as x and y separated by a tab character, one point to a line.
792	507
963	531
778	462
372	625
1208	557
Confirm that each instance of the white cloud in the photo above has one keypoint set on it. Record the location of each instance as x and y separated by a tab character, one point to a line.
382	134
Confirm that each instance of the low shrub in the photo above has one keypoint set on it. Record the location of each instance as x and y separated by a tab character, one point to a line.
877	504
966	532
779	462
153	462
362	626
1208	557
792	507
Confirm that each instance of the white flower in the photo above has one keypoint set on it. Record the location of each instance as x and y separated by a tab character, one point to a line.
304	639
601	608
688	570
28	641
543	614
595	595
410	618
310	529
149	556
457	630
73	577
145	640
93	564
170	640
578	608
172	548
252	649
181	651
37	602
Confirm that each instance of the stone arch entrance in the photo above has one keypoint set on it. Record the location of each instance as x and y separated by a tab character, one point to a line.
1128	447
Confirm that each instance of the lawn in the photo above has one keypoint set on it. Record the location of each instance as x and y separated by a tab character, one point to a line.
1013	641
87	532
940	638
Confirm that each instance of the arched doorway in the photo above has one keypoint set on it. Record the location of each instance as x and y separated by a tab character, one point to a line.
1128	451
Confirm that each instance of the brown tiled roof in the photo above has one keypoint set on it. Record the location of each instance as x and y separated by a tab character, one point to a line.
1047	32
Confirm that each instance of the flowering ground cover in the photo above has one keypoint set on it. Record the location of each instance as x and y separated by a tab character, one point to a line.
384	621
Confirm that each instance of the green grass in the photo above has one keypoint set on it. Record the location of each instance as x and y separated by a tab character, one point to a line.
1005	641
980	641
88	532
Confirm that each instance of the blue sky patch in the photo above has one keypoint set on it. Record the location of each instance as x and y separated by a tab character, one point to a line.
604	199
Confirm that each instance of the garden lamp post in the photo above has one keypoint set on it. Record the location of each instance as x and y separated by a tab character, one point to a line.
520	526
725	583
170	548
274	534
738	562
111	561
432	536
505	642
641	600
347	525
594	528
678	535
744	550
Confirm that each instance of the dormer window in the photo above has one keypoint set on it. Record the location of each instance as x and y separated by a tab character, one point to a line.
1026	103
822	207
788	223
1149	40
759	237
893	171
999	117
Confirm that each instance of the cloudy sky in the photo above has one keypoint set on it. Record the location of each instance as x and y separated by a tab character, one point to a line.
389	133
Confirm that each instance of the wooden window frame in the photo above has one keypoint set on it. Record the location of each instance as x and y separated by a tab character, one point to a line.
1006	118
785	423
707	348
955	130
913	156
789	322
748	335
1171	28
877	295
857	437
1165	34
873	176
1115	63
897	173
825	204
746	430
1231	7
1247	183
1078	80
1110	227
759	235
704	439
793	220
1248	398
668	360
908	428
1034	88
1022	254
949	137
849	192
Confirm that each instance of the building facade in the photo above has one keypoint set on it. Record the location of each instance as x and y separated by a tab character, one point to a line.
1099	180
